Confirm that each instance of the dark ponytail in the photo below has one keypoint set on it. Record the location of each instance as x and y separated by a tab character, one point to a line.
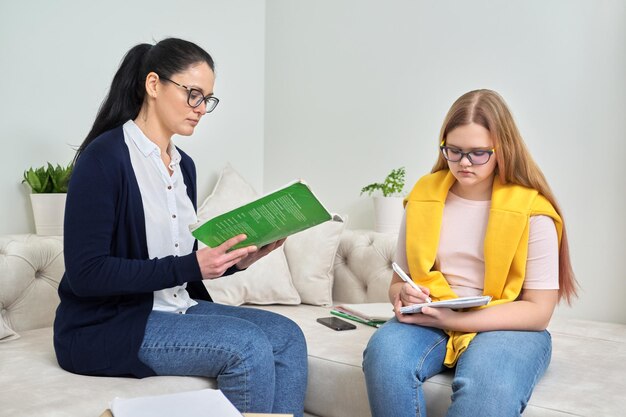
127	92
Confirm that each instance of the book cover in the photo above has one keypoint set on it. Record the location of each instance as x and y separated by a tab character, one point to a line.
380	312
289	210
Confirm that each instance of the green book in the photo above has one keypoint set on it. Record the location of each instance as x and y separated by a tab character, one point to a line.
289	210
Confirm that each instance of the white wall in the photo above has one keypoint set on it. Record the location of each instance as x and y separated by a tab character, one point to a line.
351	89
57	60
355	88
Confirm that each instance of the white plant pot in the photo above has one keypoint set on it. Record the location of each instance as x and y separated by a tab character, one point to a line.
48	211
388	213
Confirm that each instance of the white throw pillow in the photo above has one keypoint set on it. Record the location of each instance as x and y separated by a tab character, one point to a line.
6	333
267	281
311	257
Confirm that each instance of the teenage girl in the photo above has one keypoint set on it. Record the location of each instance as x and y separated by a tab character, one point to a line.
483	222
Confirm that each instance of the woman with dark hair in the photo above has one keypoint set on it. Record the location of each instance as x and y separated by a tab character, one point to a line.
132	298
483	222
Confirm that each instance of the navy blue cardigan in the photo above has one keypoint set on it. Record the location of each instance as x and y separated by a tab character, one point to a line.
107	290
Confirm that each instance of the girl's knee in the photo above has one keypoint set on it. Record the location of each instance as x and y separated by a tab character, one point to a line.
385	350
488	397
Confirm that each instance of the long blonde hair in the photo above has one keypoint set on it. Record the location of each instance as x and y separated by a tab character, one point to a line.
514	164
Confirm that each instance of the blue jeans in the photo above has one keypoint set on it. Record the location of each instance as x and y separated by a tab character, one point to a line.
258	357
495	376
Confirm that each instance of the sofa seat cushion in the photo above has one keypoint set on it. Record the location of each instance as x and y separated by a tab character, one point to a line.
336	385
33	384
580	381
586	374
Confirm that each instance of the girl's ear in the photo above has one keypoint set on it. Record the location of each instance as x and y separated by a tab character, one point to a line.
152	80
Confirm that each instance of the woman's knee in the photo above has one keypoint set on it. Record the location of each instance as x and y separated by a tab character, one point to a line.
292	332
286	335
254	352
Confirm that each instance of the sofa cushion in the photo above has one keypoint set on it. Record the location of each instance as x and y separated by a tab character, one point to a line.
267	281
33	384
363	267
311	257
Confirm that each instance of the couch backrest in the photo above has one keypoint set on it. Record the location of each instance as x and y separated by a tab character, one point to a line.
31	267
30	270
363	266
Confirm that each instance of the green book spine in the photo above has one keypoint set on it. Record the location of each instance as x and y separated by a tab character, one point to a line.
277	215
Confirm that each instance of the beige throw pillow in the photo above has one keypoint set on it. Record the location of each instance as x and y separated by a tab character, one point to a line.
267	281
311	256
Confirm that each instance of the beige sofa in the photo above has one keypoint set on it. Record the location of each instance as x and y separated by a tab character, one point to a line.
586	377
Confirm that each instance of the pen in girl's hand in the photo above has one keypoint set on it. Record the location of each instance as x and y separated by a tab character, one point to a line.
408	280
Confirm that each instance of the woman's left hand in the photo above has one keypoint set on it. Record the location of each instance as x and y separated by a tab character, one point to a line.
441	318
255	256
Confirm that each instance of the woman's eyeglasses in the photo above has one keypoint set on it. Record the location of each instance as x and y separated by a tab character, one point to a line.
478	157
195	97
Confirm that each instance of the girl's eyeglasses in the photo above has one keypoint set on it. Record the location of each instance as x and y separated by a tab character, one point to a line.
478	157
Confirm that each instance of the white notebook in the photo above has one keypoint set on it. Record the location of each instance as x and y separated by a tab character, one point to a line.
202	403
455	304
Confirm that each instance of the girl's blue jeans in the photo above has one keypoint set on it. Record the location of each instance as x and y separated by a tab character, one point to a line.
495	376
258	357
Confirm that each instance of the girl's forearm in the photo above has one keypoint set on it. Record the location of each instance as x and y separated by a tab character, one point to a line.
394	289
531	313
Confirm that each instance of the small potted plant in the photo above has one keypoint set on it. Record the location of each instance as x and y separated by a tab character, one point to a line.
388	208
48	185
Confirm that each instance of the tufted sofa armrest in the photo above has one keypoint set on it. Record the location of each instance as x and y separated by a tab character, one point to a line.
30	270
362	269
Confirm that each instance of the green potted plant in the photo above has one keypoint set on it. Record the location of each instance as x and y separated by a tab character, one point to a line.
388	209
48	185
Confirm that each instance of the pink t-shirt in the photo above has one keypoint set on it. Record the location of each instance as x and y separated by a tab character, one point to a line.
460	256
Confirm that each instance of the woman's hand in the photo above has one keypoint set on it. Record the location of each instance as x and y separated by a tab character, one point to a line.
214	262
255	256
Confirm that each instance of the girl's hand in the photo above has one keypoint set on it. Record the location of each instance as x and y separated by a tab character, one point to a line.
214	262
440	318
409	295
255	256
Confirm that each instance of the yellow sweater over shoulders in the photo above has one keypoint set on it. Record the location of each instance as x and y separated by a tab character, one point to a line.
505	246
